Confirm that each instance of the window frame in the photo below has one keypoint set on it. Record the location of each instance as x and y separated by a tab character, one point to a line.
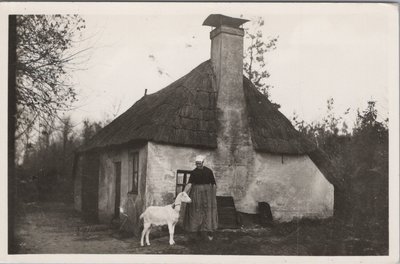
185	180
134	157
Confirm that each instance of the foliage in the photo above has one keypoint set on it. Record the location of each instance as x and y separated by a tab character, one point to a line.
254	56
45	57
90	129
361	159
46	172
371	139
363	145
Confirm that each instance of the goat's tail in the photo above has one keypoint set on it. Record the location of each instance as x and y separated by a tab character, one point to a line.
141	216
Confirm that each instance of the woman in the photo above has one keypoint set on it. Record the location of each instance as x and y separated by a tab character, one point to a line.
201	214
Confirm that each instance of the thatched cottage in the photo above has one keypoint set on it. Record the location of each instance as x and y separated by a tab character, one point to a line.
145	155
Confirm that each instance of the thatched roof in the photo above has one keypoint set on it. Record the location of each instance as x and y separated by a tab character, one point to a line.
184	113
325	165
271	131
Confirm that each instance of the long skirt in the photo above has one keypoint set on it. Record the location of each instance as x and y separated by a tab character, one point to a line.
201	214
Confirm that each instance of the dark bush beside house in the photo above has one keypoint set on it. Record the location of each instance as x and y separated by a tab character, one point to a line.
360	160
370	200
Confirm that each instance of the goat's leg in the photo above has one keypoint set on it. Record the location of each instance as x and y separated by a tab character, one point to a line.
148	235
171	233
145	227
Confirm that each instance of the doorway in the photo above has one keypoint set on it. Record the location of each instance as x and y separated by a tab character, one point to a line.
117	168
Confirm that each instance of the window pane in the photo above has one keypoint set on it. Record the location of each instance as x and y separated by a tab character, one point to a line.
180	178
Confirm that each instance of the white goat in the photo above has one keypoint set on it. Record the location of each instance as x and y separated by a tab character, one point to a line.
163	215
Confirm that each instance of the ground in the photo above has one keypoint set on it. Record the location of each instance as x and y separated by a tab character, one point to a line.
56	228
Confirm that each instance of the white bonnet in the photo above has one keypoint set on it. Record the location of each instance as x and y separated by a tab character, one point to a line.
200	158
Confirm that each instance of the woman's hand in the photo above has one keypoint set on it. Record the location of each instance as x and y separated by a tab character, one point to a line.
187	188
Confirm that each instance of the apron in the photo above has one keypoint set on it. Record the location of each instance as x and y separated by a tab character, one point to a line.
201	214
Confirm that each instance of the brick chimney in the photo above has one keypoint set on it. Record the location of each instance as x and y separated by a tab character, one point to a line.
227	54
235	149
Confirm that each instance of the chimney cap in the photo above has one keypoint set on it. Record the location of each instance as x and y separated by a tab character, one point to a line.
216	20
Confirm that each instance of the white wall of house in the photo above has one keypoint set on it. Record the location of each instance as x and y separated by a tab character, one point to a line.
165	160
131	203
163	163
292	185
107	181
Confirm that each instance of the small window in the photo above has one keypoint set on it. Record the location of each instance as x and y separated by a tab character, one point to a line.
182	178
135	173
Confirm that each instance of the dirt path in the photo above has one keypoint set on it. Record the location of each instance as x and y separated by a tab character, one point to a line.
56	228
51	228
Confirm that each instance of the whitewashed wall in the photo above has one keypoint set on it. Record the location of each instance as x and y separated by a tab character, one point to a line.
131	203
292	185
164	161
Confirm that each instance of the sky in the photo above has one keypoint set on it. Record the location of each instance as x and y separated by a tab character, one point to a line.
342	51
339	51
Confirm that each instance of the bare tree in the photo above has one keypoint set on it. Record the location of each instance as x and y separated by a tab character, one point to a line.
46	55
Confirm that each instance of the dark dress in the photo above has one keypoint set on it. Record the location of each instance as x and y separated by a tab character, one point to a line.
201	213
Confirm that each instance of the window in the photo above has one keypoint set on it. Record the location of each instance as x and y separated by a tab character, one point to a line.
182	178
135	172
